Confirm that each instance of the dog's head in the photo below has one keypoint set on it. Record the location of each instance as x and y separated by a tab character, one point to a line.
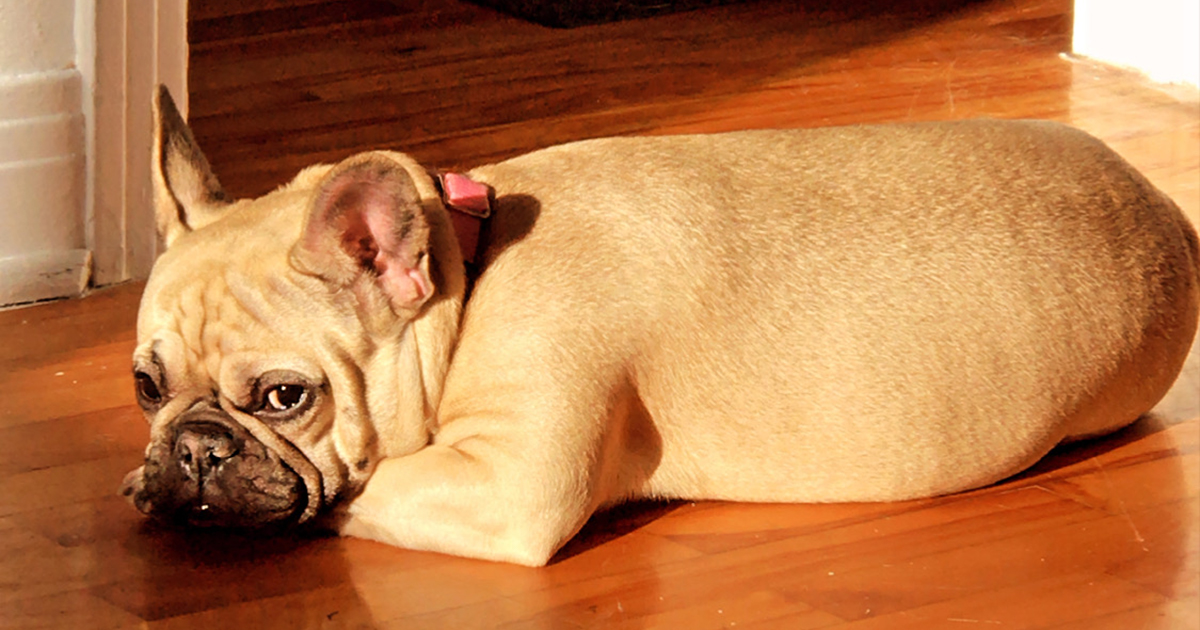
288	343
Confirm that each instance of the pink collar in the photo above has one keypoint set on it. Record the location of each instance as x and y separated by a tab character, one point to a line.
469	203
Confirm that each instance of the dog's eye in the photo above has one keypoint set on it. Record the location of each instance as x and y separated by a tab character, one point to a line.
147	389
282	395
285	397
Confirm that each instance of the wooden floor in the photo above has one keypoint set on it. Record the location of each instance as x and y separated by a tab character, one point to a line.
1103	535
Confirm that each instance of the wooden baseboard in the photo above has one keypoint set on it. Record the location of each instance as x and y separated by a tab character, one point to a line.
576	13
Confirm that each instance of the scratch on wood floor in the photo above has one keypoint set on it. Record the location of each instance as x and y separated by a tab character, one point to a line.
1124	511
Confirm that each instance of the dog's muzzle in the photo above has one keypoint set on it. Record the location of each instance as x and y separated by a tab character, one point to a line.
209	470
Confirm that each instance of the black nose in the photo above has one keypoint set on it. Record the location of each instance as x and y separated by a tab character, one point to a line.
201	448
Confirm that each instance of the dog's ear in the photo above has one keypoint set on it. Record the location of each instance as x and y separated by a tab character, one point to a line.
366	229
187	195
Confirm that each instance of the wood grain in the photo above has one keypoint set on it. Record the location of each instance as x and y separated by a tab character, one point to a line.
1100	535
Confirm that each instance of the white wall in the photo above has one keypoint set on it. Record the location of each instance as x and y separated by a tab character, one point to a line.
76	80
42	223
1158	37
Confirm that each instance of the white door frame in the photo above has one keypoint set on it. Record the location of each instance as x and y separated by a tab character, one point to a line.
137	45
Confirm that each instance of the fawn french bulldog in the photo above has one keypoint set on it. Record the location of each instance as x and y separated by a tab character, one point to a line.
869	313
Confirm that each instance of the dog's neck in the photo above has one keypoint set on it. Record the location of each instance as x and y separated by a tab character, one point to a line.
470	204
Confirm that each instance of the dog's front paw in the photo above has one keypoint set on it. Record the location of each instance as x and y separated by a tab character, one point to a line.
132	489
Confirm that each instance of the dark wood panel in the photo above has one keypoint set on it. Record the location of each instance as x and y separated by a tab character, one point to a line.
420	79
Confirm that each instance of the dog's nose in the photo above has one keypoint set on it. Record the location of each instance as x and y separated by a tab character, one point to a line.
201	447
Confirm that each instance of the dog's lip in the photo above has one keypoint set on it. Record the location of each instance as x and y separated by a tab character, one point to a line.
200	513
297	462
291	457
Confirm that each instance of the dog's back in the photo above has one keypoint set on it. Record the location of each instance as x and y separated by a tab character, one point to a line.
868	313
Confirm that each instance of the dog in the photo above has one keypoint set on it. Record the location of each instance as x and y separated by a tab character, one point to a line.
870	313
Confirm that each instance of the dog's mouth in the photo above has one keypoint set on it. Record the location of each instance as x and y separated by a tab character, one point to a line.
209	471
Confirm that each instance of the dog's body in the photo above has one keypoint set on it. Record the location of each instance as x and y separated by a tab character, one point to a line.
852	314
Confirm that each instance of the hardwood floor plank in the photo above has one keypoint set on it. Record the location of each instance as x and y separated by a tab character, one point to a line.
29	335
332	607
1173	615
72	483
73	609
1034	604
65	440
67	384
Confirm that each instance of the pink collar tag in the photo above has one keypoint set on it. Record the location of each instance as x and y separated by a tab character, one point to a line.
466	195
470	202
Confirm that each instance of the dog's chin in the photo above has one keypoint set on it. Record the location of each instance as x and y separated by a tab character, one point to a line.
206	515
214	505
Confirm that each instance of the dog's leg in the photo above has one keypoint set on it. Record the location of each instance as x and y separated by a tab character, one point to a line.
455	500
518	465
501	482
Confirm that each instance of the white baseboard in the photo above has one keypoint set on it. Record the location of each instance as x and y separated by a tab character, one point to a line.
43	253
44	275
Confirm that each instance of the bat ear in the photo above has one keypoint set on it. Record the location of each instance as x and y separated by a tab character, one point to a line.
366	228
187	196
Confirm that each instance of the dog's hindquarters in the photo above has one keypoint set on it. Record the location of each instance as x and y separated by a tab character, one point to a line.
870	313
1168	252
